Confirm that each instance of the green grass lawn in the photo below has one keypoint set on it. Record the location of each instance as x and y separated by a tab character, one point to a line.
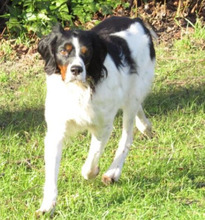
163	177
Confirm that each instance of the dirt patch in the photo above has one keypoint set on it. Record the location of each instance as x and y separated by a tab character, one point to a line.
169	19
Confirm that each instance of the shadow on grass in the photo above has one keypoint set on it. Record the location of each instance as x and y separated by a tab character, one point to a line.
173	180
25	120
172	98
157	103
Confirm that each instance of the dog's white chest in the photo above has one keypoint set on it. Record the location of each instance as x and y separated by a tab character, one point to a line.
67	102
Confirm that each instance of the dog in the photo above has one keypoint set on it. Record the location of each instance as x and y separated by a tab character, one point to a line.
90	76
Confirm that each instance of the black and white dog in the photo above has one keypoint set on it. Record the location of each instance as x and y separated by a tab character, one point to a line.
90	76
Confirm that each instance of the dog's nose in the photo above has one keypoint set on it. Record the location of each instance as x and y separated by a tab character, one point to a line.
76	70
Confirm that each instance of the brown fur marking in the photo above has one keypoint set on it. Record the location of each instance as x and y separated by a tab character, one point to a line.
69	47
107	180
63	69
84	49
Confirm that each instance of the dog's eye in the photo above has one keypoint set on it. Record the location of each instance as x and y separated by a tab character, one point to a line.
64	52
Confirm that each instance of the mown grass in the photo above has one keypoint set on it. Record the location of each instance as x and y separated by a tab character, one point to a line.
163	177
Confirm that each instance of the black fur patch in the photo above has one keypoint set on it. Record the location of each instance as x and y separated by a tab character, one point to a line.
116	24
97	53
118	49
46	48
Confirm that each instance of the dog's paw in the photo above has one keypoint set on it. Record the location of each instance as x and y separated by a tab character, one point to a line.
111	176
145	127
46	208
107	180
89	174
148	132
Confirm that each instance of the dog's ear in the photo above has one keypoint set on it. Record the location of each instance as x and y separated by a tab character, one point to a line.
46	48
96	69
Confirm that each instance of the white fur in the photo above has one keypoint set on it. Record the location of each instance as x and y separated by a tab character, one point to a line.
77	61
72	106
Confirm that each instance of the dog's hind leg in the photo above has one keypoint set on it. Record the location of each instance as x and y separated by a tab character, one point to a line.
114	171
99	139
143	124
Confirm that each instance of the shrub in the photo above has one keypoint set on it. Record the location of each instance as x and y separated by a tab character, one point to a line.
37	16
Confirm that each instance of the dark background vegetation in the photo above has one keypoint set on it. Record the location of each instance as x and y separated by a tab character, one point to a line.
36	17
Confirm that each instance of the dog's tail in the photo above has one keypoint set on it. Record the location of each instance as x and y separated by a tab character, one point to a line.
151	30
150	27
153	34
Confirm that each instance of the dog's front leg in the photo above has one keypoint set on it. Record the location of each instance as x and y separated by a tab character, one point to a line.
53	151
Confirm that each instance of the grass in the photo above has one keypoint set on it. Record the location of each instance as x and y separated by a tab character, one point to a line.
163	178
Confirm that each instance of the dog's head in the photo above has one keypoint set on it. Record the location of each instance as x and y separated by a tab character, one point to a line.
76	55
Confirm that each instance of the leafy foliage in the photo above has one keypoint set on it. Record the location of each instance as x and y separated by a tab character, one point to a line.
38	16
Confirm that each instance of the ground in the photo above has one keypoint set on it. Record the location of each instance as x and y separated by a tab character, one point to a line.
163	177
